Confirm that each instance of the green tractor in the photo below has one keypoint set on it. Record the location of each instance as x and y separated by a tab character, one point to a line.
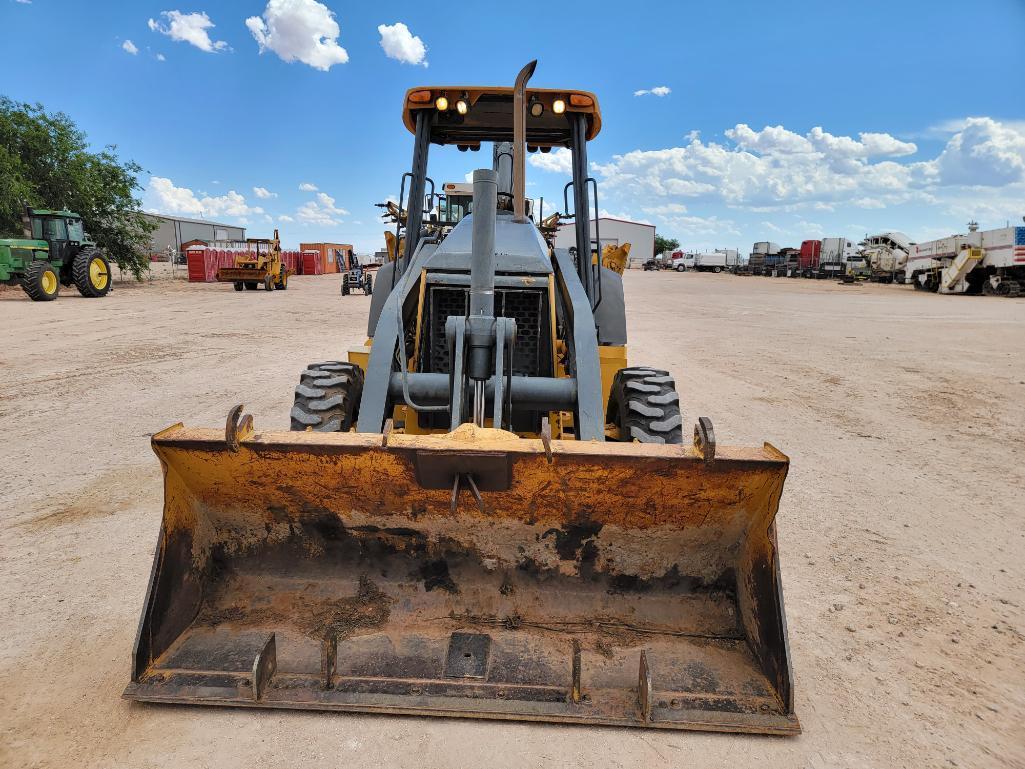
55	252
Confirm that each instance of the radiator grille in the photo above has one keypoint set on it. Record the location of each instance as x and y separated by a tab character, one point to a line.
526	306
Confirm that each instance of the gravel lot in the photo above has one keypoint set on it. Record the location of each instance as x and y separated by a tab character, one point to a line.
901	528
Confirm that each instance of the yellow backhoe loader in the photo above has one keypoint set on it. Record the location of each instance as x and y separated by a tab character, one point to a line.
485	511
260	265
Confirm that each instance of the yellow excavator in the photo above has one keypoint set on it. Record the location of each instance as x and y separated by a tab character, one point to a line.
485	511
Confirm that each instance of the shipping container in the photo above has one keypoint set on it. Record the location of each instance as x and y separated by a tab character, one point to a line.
334	257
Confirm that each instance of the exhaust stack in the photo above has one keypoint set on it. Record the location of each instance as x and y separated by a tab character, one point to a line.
520	142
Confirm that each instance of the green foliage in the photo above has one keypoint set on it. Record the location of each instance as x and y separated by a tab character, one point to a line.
45	162
665	244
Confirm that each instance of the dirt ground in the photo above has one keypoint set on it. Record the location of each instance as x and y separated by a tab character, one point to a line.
901	526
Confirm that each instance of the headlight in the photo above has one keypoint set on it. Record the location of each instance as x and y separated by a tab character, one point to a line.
558	106
441	103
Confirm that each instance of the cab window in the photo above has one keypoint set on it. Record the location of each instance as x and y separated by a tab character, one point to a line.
75	230
55	229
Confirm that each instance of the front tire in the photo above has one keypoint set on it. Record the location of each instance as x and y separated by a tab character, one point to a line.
645	406
40	281
239	285
91	273
369	291
327	397
251	285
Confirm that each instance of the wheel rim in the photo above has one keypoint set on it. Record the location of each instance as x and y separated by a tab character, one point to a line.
98	274
49	282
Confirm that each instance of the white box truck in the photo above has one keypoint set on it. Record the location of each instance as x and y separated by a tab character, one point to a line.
720	260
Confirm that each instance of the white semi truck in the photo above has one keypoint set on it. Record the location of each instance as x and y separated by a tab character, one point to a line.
838	255
987	262
886	255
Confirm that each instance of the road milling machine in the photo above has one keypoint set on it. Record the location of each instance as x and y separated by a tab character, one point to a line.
485	511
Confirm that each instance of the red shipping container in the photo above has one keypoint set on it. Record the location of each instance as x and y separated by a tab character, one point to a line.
810	250
202	265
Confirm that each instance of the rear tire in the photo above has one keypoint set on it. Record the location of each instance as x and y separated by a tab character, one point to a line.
370	286
645	406
250	285
282	285
327	398
345	285
91	272
40	281
268	283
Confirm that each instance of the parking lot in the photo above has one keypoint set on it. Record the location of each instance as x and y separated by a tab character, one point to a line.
901	526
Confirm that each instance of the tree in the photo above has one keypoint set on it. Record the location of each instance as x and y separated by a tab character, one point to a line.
45	162
665	244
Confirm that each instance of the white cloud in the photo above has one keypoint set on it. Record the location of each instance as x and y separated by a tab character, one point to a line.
161	57
659	90
162	196
263	193
768	169
188	28
299	30
983	153
400	44
285	218
321	211
307	187
129	47
23	2
559	160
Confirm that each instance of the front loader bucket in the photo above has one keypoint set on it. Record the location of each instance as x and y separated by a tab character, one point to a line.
598	583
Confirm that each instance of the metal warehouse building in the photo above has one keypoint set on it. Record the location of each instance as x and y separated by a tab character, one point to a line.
174	230
641	237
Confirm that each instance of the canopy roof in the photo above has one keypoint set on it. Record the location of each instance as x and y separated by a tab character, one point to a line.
490	114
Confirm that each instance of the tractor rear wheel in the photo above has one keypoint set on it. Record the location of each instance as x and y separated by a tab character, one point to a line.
645	406
369	290
327	397
91	272
345	285
40	281
268	283
282	284
251	285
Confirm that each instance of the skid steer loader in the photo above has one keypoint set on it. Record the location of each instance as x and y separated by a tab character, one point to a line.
484	511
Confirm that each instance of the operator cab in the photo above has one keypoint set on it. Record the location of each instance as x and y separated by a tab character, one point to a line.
62	230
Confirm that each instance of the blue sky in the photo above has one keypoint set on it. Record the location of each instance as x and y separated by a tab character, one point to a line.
770	120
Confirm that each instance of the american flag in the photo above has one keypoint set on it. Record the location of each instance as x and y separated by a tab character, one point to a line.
1019	244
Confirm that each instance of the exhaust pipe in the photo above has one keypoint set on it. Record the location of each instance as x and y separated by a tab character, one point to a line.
520	142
